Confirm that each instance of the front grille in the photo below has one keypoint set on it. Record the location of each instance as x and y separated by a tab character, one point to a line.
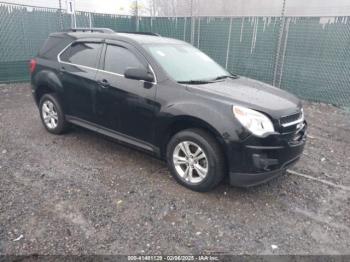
291	118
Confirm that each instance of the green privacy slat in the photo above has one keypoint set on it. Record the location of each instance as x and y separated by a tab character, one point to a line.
253	47
316	63
311	60
211	36
14	71
168	26
146	24
117	23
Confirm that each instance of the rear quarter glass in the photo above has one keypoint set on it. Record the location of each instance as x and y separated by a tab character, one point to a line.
52	46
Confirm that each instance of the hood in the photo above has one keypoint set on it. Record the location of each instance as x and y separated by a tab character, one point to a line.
253	94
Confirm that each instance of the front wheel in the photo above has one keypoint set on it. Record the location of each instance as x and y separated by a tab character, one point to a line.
196	160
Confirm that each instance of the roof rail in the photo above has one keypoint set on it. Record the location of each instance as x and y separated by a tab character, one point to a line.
139	33
91	30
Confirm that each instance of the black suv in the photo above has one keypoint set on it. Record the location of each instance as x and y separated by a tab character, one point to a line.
166	97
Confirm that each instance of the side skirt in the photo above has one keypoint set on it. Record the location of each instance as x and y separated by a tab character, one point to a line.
113	134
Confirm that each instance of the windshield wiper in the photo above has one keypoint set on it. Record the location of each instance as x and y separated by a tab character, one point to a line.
225	76
202	82
195	82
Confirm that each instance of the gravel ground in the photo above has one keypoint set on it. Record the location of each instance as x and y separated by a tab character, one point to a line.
81	193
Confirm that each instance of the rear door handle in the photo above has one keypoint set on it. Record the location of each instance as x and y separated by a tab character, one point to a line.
104	83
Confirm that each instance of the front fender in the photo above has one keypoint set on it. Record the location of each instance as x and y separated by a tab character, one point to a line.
218	118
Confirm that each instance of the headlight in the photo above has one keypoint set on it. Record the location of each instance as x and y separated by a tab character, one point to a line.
302	114
257	123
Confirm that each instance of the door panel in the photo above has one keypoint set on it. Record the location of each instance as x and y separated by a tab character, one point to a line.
79	88
78	73
125	105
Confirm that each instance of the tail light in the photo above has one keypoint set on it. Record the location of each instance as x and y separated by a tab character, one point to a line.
32	65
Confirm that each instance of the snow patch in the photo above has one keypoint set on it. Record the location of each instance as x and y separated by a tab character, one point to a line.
255	33
327	21
242	26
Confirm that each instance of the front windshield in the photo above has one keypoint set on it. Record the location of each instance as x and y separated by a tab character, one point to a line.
185	63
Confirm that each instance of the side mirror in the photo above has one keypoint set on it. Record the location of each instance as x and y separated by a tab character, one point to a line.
139	74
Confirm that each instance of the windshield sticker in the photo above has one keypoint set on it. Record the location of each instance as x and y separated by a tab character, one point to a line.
160	53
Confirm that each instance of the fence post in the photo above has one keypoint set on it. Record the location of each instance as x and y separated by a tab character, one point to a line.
90	21
228	43
137	24
185	25
199	31
193	28
280	38
25	39
71	21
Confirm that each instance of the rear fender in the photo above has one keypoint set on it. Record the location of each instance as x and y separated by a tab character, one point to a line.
48	80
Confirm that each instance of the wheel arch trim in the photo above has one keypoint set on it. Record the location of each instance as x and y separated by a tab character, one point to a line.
183	122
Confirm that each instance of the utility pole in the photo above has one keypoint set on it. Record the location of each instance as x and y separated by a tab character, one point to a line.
136	14
60	14
191	8
137	8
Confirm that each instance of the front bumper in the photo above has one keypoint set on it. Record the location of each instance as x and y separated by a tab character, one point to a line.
257	160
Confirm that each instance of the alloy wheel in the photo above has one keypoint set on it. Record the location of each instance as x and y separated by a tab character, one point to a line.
49	114
190	162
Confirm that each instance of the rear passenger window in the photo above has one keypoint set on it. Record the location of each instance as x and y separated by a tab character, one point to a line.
85	54
118	59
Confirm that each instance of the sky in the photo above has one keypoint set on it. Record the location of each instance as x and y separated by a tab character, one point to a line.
99	6
244	7
108	6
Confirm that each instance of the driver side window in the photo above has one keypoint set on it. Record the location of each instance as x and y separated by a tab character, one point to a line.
118	59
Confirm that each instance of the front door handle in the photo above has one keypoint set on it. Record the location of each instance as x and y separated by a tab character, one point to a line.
104	83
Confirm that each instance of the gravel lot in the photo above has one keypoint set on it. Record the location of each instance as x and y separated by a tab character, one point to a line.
83	194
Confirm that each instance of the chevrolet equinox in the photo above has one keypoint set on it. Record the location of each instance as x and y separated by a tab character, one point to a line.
168	98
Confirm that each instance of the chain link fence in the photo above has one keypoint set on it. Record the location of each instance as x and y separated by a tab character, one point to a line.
308	56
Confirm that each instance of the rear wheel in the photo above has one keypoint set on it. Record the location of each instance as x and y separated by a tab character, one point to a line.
195	159
52	115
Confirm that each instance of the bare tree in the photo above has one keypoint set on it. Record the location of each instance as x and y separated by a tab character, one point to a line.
170	7
138	8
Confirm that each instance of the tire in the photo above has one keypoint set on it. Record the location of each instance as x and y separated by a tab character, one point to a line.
191	172
52	115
